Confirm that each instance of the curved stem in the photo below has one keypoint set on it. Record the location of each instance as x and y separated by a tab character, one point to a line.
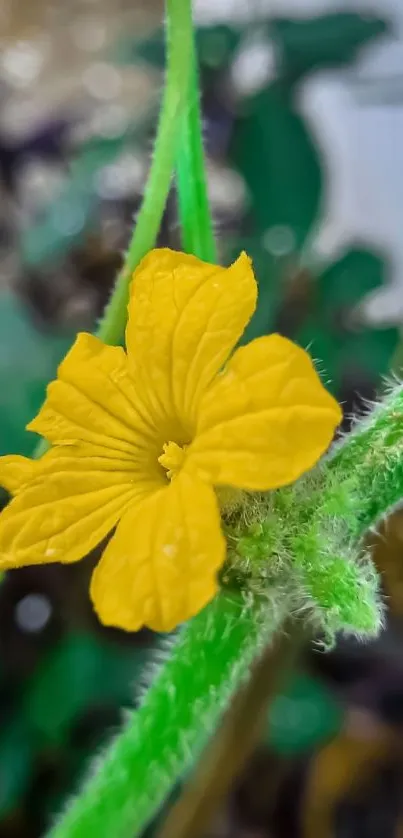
194	210
239	734
216	649
211	658
179	55
359	483
370	461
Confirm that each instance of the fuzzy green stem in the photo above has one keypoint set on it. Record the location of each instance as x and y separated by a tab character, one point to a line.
370	461
211	658
310	534
194	211
362	481
297	544
240	732
179	38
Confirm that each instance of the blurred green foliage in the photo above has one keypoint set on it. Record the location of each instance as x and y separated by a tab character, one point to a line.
28	361
83	673
330	40
346	349
303	716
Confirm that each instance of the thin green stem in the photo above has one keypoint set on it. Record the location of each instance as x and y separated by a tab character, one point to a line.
194	210
181	708
179	38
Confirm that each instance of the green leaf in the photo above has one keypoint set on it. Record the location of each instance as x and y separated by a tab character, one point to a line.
284	180
28	361
304	716
82	671
16	758
276	155
347	350
332	40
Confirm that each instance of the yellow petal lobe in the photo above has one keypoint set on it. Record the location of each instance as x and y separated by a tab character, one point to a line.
160	567
265	420
15	472
185	317
67	509
94	400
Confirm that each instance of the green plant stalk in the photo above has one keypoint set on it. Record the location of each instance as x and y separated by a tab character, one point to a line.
380	430
194	211
360	484
179	40
312	527
179	711
241	731
377	443
313	530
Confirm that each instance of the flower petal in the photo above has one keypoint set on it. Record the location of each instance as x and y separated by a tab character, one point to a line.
66	510
16	471
160	566
94	400
265	420
185	317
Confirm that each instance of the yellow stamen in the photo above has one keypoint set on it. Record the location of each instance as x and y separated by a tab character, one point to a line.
172	458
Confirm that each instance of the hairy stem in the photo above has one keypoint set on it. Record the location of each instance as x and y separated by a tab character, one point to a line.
241	730
370	461
312	528
211	658
194	211
335	506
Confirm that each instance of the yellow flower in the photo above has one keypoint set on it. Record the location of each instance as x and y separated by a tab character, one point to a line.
141	440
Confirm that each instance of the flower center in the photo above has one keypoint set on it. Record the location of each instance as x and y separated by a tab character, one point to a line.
172	458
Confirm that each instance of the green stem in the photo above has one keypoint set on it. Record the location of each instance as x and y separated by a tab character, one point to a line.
313	526
194	210
358	485
242	729
179	38
312	532
370	461
211	658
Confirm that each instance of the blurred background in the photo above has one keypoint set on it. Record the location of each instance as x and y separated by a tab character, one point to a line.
303	120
